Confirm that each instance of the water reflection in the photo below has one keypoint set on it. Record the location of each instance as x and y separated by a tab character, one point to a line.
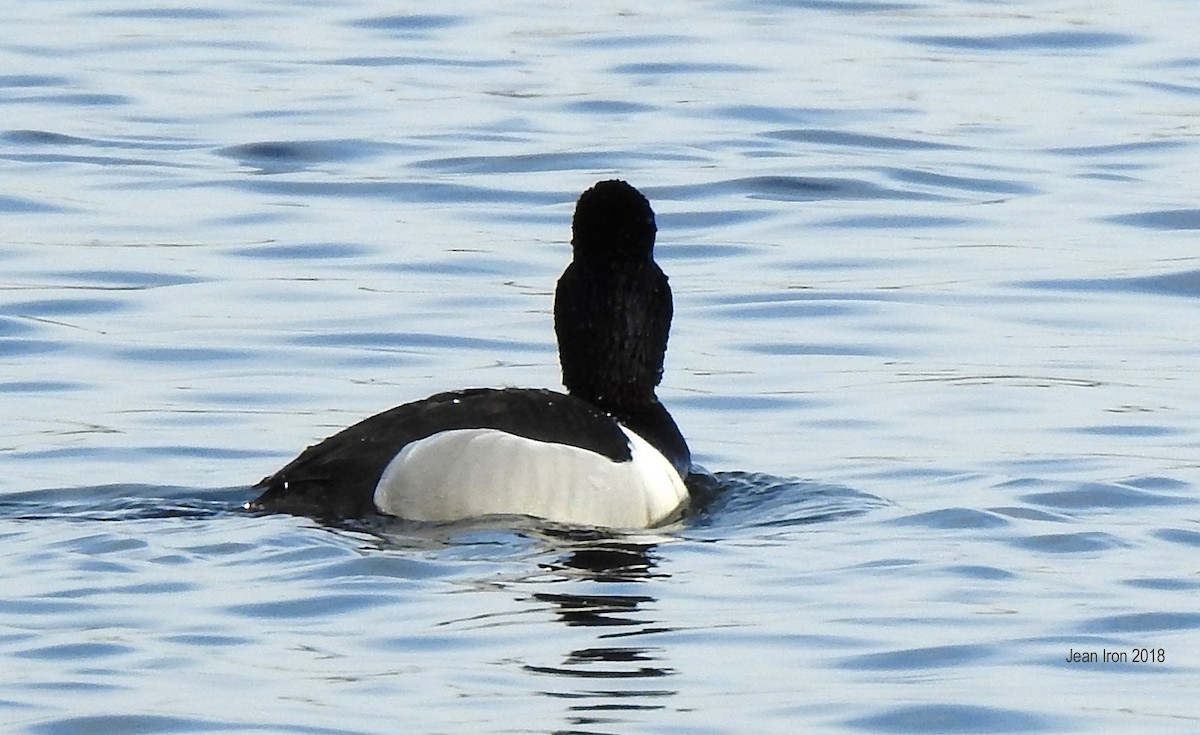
619	673
607	560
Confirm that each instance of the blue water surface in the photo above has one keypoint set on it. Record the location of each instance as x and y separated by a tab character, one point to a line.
936	283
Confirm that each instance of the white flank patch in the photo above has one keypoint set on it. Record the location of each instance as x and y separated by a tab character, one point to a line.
467	473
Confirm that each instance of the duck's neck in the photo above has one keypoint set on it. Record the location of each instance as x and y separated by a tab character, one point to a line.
612	321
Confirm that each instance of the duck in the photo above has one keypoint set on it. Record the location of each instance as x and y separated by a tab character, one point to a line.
606	453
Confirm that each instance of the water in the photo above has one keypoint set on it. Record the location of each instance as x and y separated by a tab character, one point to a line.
936	297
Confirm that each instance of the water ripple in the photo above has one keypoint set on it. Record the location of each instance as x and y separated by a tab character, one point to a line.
303	251
534	162
660	68
962	183
409	23
1102	496
895	221
276	157
75	652
11	347
1184	536
16	81
132	724
1183	283
953	519
1129	150
793	189
310	605
181	355
124	280
426	61
1082	542
121	502
757	500
1147	622
951	718
34	137
1165	219
933	657
1040	41
22	205
167	13
393	192
827	137
59	307
39	386
416	340
155	724
607	107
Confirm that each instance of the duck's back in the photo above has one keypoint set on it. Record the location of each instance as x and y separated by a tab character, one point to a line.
478	452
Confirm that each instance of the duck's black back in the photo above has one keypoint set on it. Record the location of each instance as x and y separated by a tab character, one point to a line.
337	477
